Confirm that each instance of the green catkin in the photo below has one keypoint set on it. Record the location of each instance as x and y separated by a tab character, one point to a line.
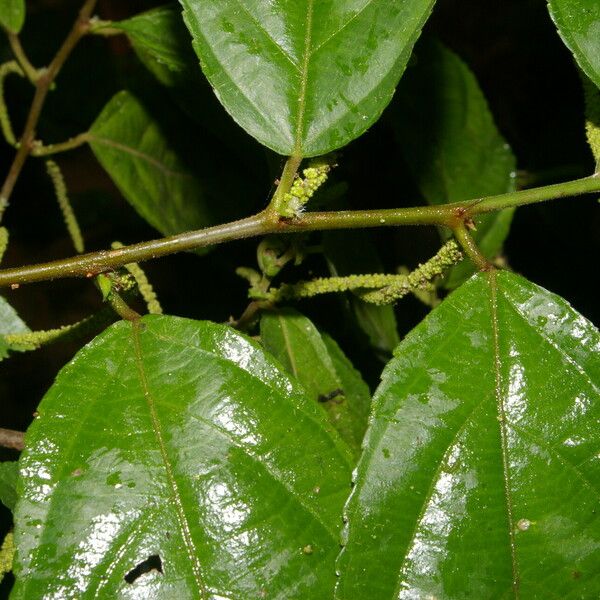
592	115
3	241
304	188
62	196
7	69
33	340
385	289
7	552
145	287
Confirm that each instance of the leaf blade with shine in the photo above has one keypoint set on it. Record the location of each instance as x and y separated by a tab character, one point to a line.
182	445
324	371
480	475
578	23
319	89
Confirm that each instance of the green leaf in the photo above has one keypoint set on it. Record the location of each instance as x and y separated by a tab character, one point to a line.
353	252
305	77
10	322
451	144
480	476
9	471
12	15
162	43
323	370
178	451
578	23
151	169
164	46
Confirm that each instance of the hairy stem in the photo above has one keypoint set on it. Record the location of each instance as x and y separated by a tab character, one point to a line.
461	233
277	205
44	80
448	215
40	149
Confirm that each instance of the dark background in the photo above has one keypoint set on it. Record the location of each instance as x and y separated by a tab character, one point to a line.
533	89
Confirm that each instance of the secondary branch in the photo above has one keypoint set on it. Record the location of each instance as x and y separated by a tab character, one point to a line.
447	215
43	81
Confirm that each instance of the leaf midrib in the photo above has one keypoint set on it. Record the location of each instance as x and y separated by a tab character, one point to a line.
304	78
506	474
167	171
184	525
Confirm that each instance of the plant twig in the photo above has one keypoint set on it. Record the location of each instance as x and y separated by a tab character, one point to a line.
17	49
465	239
40	149
447	215
44	80
276	207
122	308
9	438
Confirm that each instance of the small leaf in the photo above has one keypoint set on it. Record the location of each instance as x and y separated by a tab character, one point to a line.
174	459
305	77
9	472
480	476
353	252
451	144
10	322
323	370
12	15
163	44
152	171
578	23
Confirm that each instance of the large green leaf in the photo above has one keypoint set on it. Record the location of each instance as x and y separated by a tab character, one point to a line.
182	448
12	14
451	144
322	368
480	476
302	76
158	177
578	23
10	322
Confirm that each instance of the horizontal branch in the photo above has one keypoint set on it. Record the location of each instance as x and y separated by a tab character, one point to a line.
448	215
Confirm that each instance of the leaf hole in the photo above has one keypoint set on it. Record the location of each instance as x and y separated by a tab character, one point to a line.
332	395
152	563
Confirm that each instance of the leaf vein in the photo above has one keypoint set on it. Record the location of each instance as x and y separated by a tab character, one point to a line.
175	493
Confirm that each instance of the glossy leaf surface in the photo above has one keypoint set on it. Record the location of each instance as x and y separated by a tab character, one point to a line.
451	144
174	459
9	471
319	364
480	476
12	14
578	23
151	170
305	77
